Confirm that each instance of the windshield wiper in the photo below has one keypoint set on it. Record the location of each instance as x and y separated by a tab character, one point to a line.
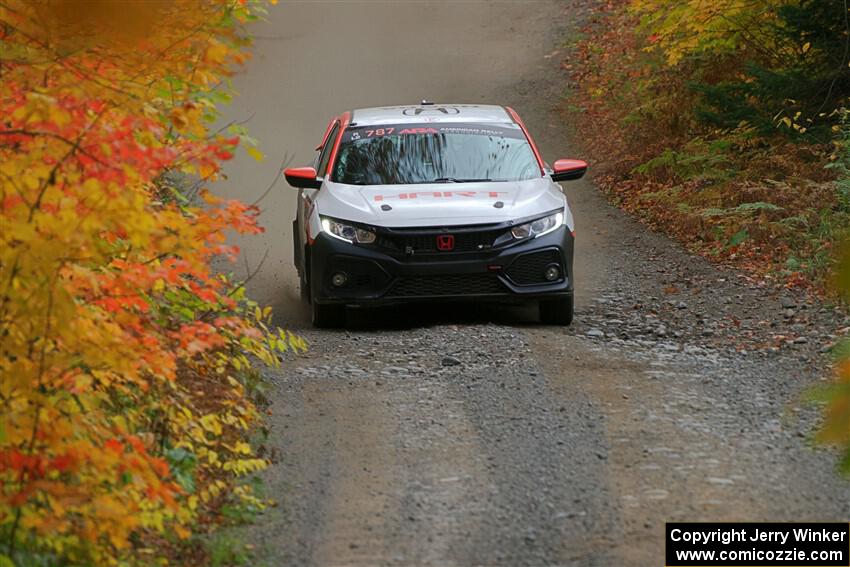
456	180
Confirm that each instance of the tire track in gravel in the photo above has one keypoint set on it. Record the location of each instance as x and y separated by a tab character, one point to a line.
416	463
356	502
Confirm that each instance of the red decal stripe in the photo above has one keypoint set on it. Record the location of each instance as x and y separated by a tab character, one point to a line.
327	131
346	119
521	124
307	215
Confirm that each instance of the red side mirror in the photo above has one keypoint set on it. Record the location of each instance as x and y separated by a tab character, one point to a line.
569	169
302	177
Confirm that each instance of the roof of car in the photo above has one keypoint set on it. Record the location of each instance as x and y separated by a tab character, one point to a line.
431	112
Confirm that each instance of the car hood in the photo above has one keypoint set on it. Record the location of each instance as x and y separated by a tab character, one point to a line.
439	204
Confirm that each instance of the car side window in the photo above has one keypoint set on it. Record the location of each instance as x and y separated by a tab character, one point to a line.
327	149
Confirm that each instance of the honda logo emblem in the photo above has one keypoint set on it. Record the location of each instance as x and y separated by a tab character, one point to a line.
446	242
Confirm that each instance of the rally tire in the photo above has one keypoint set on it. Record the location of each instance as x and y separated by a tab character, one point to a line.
557	311
327	316
304	288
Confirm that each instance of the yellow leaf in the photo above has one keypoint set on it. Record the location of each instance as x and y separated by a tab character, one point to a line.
216	52
182	532
211	424
255	153
59	116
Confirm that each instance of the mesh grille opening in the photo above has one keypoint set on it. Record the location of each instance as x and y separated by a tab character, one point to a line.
447	285
426	243
528	269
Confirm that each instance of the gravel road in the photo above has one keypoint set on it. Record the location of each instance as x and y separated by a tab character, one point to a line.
471	435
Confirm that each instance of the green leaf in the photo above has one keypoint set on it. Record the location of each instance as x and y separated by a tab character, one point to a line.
739	237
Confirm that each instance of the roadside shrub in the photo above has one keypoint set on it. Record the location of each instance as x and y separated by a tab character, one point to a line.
725	124
707	109
127	365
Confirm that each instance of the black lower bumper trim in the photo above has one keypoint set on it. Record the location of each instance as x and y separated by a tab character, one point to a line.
362	275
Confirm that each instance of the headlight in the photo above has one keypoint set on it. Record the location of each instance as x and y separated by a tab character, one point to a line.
348	232
539	227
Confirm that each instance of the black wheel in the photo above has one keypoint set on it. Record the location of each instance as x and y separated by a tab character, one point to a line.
557	311
328	316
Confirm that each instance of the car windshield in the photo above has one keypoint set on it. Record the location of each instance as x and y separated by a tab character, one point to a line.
434	153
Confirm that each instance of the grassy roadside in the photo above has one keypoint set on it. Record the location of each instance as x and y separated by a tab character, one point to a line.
712	138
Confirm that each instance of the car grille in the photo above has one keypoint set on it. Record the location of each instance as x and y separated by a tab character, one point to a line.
528	269
447	285
425	242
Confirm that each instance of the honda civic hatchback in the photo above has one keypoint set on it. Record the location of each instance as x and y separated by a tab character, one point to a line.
432	202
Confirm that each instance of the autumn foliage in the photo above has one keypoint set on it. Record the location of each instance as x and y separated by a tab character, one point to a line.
725	124
722	123
126	362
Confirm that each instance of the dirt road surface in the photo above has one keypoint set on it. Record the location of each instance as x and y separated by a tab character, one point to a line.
472	435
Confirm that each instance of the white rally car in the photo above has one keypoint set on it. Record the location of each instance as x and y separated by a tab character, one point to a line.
433	202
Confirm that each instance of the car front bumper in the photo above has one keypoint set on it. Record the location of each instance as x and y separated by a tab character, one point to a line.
373	276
